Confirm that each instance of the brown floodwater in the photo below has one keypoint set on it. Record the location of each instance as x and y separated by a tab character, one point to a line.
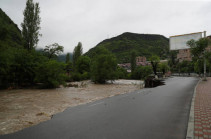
22	108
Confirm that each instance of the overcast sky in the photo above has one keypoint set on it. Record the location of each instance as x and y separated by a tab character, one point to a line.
90	21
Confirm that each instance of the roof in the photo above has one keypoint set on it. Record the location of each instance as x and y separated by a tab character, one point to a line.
186	34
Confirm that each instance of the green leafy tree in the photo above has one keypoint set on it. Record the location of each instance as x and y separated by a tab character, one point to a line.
198	47
7	60
31	24
186	67
67	58
69	65
51	74
164	67
208	57
133	61
142	72
53	50
78	51
154	62
103	66
172	62
198	66
198	53
121	73
83	64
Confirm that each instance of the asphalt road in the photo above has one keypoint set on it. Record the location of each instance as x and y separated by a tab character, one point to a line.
155	113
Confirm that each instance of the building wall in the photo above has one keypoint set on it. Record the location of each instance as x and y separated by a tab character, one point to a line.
141	59
184	55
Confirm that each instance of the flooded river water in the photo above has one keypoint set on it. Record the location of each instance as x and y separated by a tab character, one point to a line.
26	107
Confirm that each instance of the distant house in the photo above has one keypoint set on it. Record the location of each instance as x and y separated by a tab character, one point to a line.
140	61
184	55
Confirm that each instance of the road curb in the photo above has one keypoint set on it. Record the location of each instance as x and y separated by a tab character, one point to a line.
190	130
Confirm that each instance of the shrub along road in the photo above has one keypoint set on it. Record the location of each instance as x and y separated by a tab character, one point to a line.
155	113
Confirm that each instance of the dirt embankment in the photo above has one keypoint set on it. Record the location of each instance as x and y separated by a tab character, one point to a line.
26	107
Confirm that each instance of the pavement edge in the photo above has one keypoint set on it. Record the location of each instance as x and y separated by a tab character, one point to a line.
190	130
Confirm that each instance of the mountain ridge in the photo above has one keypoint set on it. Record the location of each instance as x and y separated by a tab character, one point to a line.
144	45
10	34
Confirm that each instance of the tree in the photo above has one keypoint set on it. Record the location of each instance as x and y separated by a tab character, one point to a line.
198	47
208	57
53	50
78	51
198	53
133	61
51	74
164	67
142	72
198	66
154	62
83	64
67	59
31	24
103	66
68	66
121	73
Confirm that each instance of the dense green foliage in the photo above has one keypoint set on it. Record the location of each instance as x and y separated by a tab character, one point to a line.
10	34
208	57
154	62
82	69
142	72
10	46
68	65
185	67
103	66
144	45
31	24
20	66
198	48
50	73
83	64
67	58
163	67
121	73
133	61
77	52
199	54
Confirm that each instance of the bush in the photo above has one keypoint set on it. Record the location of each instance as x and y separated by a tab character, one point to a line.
85	76
51	74
121	73
75	76
142	72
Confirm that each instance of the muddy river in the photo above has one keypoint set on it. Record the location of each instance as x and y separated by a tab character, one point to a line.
26	107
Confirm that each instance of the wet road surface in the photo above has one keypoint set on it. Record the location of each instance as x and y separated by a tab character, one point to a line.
153	113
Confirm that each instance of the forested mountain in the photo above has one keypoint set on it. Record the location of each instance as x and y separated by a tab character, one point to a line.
22	67
10	34
144	45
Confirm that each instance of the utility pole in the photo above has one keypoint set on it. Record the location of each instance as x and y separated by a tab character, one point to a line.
204	60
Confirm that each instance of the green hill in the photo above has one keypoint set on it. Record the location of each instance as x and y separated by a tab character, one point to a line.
144	44
10	34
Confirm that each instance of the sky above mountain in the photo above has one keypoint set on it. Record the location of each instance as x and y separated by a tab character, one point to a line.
90	21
